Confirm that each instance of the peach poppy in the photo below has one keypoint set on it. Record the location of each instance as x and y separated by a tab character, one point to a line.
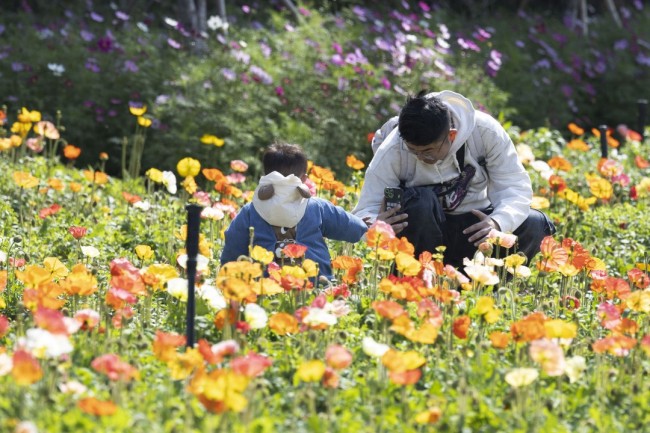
47	129
238	165
641	162
338	357
114	368
388	309
379	234
553	255
409	377
251	365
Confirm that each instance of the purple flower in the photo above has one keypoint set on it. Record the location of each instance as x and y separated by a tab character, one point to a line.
560	38
260	75
86	35
2	28
130	66
105	44
162	99
122	16
92	66
304	12
265	49
567	91
172	43
468	44
17	67
228	74
359	12
96	17
246	9
520	44
620	45
385	83
425	7
88	103
382	44
642	59
320	67
279	91
241	56
337	60
482	35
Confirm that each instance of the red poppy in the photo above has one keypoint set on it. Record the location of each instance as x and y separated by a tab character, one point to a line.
78	232
294	251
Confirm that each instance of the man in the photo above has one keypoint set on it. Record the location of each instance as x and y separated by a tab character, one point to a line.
460	176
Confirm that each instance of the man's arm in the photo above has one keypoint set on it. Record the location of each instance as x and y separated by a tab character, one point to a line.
237	237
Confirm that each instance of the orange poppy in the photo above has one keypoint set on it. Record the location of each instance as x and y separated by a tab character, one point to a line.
388	309
71	152
553	255
96	407
283	324
559	163
26	369
354	163
461	326
578	144
575	129
500	340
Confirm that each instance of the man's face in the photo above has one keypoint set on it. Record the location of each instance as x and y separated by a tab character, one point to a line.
435	151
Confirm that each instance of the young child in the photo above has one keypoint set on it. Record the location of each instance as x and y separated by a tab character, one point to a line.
283	211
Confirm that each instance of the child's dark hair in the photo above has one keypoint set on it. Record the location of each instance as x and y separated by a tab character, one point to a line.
285	158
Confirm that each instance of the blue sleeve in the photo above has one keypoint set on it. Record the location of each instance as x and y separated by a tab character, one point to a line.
237	237
339	224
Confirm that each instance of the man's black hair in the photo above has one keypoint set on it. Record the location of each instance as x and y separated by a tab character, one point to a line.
423	120
285	158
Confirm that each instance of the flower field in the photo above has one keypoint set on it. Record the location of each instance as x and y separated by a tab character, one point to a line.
94	290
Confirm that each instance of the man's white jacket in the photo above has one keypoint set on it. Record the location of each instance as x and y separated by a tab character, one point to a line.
500	179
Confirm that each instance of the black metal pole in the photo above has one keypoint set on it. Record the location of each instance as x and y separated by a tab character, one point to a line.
603	140
642	104
192	249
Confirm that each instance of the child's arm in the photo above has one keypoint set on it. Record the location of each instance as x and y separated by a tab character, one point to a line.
237	237
341	225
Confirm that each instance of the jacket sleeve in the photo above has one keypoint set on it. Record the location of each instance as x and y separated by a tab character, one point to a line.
509	186
237	237
383	171
340	225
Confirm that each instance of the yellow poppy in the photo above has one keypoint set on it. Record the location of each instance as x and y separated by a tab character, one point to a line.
212	139
24	179
145	122
188	167
137	111
144	252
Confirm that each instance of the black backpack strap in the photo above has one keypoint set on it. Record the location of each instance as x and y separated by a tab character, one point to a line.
460	156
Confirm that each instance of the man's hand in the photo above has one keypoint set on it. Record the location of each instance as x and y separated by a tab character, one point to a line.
392	217
481	229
